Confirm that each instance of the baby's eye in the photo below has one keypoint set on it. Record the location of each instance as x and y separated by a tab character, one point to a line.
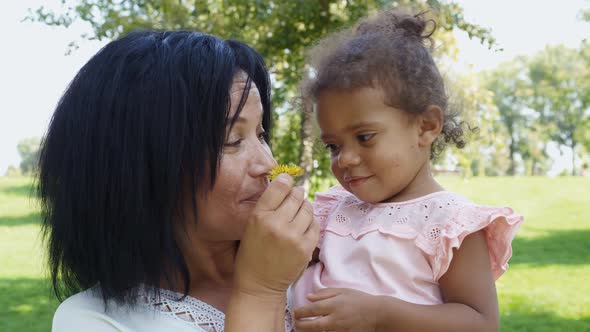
333	148
365	137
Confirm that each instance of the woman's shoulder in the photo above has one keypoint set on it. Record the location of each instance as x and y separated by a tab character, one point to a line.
88	300
86	311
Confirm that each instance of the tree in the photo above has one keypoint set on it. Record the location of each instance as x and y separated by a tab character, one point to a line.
28	149
584	135
533	146
484	132
560	82
509	86
281	33
13	171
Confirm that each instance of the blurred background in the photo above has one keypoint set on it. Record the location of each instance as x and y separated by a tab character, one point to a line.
520	70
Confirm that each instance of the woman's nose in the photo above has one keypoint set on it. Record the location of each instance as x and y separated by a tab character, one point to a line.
262	160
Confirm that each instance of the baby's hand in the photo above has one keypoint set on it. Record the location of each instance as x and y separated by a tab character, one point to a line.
338	309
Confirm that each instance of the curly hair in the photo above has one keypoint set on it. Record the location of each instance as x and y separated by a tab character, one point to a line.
391	51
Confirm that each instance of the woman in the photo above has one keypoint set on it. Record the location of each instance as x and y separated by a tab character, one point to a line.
157	211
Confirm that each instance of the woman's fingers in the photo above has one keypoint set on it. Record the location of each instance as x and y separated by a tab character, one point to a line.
281	199
279	240
305	230
312	233
303	219
290	206
276	193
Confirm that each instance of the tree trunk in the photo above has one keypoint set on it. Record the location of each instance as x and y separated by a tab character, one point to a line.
573	147
512	148
306	148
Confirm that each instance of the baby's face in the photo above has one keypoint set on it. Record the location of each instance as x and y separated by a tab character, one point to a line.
374	148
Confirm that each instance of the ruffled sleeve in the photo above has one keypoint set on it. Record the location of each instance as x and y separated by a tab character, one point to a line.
324	204
499	225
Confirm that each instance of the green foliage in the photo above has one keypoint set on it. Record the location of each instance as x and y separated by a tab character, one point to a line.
287	135
560	85
509	86
13	171
543	98
485	152
281	31
28	149
584	135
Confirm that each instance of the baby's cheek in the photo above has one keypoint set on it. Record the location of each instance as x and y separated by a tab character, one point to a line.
393	160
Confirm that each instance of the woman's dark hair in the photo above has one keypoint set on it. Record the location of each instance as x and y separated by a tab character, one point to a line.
143	119
391	51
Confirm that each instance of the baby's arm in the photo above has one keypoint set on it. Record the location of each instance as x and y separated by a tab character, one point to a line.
467	287
468	290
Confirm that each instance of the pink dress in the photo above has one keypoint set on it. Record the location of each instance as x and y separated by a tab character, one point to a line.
399	249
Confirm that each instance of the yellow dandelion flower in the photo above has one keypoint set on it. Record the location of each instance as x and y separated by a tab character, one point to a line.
292	170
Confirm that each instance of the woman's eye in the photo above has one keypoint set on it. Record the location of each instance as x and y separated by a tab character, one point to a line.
365	137
234	143
263	136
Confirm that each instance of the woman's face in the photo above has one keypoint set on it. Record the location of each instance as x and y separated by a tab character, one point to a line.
242	173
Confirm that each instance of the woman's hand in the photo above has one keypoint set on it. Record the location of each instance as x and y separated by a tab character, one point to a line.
338	309
278	242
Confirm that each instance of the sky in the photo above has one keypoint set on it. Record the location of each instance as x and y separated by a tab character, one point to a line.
35	70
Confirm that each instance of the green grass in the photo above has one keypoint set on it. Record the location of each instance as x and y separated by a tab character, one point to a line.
26	303
546	288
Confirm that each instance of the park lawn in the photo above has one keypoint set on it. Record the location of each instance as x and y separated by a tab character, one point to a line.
26	303
546	287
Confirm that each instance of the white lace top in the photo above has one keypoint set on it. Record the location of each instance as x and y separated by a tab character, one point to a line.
189	310
195	312
85	312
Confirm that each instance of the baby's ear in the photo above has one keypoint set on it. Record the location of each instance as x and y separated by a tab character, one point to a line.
430	123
